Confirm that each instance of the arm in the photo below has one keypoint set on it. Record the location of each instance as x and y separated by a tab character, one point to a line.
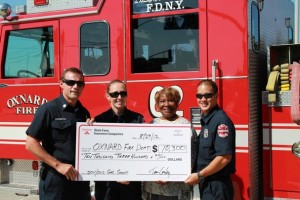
216	165
34	146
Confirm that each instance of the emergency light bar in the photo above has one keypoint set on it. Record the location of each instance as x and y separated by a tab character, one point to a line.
41	2
41	6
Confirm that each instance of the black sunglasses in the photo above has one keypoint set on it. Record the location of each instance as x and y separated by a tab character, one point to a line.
206	96
72	82
116	94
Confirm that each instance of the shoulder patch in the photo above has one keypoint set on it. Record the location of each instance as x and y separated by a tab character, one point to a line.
223	131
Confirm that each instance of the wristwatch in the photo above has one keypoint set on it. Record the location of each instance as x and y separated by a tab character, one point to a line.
200	177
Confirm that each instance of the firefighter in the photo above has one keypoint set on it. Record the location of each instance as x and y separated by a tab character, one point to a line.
116	95
216	152
51	137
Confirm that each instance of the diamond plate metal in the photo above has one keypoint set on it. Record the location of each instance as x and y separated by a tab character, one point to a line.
283	98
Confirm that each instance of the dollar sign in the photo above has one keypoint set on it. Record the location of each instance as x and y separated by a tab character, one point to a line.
154	148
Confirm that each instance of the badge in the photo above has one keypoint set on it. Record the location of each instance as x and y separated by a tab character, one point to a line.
223	131
205	134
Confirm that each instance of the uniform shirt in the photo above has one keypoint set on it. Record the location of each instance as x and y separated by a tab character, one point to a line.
128	116
55	125
217	138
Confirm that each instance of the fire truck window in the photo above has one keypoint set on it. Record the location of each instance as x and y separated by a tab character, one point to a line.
255	31
139	6
29	53
166	44
94	48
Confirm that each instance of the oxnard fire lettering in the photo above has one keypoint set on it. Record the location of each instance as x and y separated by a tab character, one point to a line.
17	102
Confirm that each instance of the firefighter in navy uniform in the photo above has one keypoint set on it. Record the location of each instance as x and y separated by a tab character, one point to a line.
51	137
116	95
216	153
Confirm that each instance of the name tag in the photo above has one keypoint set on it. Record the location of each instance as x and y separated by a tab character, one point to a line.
60	119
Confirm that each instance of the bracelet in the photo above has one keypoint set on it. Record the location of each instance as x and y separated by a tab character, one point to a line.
200	177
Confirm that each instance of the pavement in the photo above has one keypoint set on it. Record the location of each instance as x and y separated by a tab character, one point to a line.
7	195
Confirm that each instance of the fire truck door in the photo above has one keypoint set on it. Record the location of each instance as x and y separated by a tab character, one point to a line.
29	75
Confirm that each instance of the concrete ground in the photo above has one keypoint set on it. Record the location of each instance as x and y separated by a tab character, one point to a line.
6	195
9	195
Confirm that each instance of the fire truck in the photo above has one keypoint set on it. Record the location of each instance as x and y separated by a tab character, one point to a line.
244	46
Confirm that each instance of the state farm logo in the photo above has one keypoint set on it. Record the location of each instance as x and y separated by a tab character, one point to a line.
86	131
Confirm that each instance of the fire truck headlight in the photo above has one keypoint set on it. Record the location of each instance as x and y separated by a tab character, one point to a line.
296	149
5	10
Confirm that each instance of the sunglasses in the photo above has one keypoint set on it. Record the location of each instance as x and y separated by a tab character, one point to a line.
116	94
72	82
206	96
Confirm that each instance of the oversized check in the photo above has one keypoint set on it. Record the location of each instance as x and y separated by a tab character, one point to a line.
133	152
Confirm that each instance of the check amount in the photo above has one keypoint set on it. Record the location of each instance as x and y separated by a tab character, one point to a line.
133	152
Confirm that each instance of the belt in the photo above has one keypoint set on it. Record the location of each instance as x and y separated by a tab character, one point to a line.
46	168
217	177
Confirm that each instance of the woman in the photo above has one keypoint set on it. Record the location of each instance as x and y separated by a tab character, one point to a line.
167	101
116	94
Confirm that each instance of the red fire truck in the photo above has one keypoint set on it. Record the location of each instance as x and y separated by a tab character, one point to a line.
151	44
